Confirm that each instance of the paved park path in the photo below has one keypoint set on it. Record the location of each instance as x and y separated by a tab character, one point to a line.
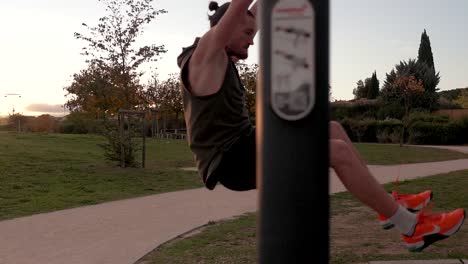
121	232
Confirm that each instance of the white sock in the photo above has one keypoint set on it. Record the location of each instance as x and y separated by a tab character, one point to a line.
404	220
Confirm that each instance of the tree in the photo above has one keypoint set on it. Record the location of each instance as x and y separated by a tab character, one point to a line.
17	121
410	89
155	93
420	71
111	48
425	51
369	88
77	122
166	96
360	91
43	123
248	75
92	93
373	88
417	69
171	95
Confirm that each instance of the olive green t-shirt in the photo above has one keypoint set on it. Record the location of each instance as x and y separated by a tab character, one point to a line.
216	121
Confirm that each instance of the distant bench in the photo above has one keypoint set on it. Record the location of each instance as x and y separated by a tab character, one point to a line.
172	134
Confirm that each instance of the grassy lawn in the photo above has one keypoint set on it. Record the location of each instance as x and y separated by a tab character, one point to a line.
47	172
378	154
356	235
42	173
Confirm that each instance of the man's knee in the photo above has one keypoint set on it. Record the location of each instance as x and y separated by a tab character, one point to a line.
335	129
340	152
335	124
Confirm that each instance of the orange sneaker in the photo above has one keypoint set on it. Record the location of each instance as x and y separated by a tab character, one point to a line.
432	228
413	202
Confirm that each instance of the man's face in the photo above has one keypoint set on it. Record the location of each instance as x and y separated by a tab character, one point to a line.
242	38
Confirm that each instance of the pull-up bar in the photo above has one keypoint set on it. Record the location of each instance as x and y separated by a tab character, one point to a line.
292	132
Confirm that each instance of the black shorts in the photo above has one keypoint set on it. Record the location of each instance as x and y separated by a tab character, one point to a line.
237	169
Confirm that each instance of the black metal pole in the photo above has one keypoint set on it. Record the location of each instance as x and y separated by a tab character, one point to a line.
292	132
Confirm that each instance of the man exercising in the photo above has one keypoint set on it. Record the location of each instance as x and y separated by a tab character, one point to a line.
222	137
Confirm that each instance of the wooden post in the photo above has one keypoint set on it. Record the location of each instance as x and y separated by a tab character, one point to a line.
143	131
122	147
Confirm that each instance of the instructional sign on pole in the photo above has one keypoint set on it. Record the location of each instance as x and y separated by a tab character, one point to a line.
293	59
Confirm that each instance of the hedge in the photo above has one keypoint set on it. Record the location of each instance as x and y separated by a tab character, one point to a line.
423	129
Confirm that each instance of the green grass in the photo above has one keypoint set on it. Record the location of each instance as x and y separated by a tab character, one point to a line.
226	242
378	154
355	233
48	172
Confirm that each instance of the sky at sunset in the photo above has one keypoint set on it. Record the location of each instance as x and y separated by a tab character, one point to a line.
39	53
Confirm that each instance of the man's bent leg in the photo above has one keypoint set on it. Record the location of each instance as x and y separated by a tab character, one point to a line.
337	132
359	181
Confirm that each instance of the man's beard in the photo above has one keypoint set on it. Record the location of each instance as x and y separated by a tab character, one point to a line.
240	56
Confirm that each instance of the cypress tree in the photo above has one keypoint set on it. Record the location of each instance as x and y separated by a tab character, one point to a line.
373	90
425	51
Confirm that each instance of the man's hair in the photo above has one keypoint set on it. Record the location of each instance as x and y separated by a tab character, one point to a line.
219	12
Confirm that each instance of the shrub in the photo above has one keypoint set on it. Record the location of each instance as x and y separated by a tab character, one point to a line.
423	129
453	132
391	110
389	131
464	128
357	109
361	130
43	123
79	123
426	117
113	147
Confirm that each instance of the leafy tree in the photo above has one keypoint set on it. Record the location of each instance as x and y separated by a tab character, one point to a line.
111	51
417	69
420	71
425	51
43	123
166	95
18	121
248	75
113	54
92	92
409	89
172	99
154	93
75	123
369	88
361	90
